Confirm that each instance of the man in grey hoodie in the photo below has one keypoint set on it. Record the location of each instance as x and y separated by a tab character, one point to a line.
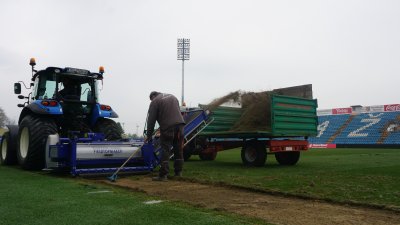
164	108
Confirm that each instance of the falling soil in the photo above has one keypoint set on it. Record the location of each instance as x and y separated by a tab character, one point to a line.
256	109
270	208
233	96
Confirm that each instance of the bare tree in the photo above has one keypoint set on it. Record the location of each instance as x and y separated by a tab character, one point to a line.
3	118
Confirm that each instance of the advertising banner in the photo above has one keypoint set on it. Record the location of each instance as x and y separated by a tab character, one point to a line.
374	108
392	107
322	146
324	112
341	111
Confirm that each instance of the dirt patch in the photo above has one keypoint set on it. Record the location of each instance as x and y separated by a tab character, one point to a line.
273	209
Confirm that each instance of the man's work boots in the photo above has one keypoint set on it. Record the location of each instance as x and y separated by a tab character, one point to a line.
160	178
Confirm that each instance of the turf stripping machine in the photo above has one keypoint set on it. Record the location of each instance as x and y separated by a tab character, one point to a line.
94	155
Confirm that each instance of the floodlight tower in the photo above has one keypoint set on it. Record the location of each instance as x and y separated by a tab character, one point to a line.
183	54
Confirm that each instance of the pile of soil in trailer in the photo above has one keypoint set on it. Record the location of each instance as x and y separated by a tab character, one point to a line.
256	111
256	106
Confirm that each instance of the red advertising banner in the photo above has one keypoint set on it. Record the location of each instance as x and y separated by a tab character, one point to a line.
341	111
322	146
392	107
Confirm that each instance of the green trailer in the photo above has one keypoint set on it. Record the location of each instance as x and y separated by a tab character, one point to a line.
287	123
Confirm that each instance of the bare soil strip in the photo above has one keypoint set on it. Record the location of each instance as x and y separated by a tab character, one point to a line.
272	209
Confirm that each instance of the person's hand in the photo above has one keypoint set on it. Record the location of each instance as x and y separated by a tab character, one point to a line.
147	140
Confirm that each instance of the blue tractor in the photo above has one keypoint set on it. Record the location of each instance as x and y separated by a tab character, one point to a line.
62	101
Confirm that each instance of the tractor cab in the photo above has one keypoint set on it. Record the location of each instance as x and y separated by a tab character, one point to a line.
68	96
61	86
74	89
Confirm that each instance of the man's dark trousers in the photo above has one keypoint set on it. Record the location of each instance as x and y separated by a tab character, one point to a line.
172	139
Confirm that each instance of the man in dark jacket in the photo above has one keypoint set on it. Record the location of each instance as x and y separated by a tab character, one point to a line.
164	108
71	90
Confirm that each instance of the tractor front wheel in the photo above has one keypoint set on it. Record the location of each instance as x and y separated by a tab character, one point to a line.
109	128
31	144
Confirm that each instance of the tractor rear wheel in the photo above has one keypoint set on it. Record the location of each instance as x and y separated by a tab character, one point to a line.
254	154
8	154
31	144
109	128
287	158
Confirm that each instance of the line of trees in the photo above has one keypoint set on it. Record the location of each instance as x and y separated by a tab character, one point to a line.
126	135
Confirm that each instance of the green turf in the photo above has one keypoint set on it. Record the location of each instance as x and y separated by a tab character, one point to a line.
34	198
367	176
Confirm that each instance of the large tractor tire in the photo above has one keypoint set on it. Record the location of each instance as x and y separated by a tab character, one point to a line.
109	128
8	154
254	154
287	158
31	144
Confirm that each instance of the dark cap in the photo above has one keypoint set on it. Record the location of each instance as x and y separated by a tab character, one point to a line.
153	94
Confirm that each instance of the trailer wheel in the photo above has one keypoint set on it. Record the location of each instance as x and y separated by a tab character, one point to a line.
287	158
209	156
31	144
109	128
9	146
254	154
188	150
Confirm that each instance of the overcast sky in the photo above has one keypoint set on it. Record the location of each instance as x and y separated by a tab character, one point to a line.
348	50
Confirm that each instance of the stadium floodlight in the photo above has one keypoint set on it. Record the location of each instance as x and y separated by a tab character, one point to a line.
183	54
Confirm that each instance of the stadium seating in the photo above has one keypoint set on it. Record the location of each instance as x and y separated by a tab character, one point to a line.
363	128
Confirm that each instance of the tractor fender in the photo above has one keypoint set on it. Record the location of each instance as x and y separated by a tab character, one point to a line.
36	108
99	113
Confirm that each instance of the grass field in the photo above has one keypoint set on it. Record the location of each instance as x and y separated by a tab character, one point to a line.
35	198
367	176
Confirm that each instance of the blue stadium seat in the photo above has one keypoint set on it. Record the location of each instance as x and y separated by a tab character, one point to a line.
364	128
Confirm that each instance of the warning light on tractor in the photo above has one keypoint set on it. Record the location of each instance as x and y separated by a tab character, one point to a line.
32	62
101	69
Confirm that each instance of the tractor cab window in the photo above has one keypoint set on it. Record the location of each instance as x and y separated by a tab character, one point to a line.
46	87
76	88
86	93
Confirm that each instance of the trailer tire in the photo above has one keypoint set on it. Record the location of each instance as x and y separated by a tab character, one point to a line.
287	158
31	145
8	154
188	150
209	156
109	128
254	154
